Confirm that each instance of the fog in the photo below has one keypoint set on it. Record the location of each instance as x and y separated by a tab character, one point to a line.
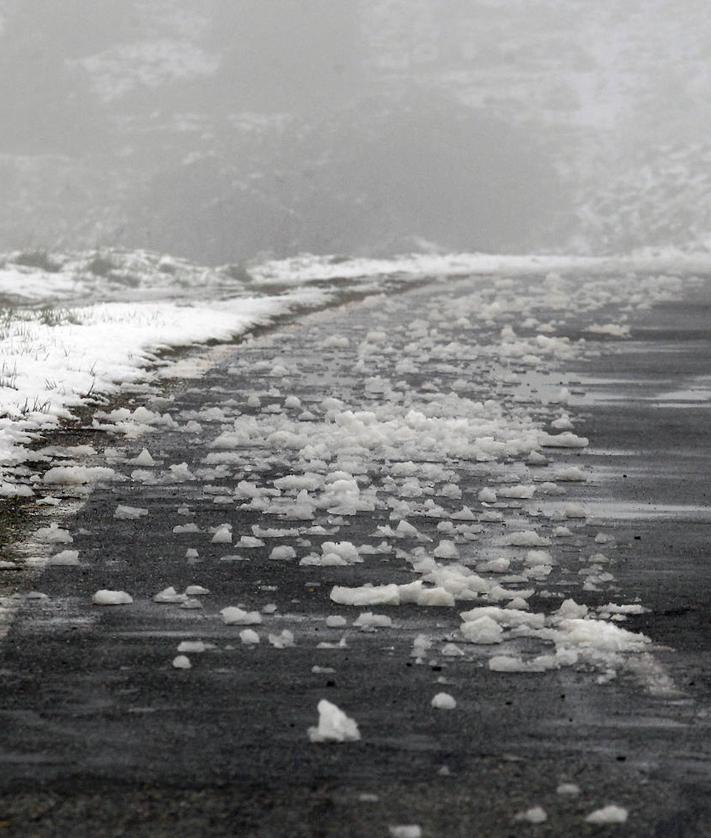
223	131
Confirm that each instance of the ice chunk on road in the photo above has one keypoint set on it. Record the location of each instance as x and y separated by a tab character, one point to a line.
615	330
446	549
569	609
169	596
249	637
564	440
181	473
333	725
335	342
249	541
65	558
507	616
536	814
525	538
608	814
444	701
336	621
192	646
574	510
414	592
234	616
343	549
366	595
406	530
283	552
519	492
183	528
53	534
223	535
129	513
283	640
368	620
538	557
498	565
570	474
599	636
412	830
329	560
196	590
77	475
483	630
144	459
433	597
562	423
106	597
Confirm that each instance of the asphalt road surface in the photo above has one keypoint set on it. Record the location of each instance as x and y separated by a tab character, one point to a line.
101	735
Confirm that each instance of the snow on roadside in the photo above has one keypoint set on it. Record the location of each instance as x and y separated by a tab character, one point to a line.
54	361
309	268
111	276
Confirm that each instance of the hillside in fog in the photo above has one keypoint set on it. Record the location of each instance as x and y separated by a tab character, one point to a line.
219	131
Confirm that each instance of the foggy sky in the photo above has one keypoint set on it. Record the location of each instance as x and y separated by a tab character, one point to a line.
223	130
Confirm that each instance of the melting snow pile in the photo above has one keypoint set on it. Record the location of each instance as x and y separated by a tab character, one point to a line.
54	360
333	725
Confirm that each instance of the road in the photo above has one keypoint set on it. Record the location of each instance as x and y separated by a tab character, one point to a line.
102	735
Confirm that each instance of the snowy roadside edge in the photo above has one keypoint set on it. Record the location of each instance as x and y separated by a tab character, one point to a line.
50	370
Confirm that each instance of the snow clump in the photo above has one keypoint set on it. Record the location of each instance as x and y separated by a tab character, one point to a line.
234	616
333	725
444	701
106	597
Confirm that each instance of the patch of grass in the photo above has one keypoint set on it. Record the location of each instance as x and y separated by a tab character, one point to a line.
58	316
35	406
8	376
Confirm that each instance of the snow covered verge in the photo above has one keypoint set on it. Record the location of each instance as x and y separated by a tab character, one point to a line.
310	268
56	356
75	327
38	278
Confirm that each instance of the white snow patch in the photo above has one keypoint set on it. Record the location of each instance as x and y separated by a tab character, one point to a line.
608	814
249	637
333	725
106	597
235	616
129	513
536	814
77	475
444	701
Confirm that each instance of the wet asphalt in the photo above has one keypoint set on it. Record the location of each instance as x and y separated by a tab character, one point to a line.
100	735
